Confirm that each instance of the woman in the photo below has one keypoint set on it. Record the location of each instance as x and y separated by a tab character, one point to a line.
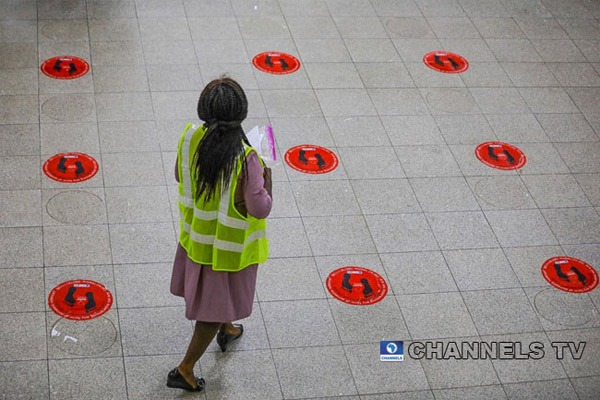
224	198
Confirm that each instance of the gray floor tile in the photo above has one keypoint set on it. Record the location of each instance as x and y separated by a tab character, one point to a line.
195	9
24	379
380	321
18	55
141	136
323	50
407	27
412	130
474	50
501	311
427	161
412	50
486	75
575	74
94	378
210	28
560	310
287	238
489	8
517	128
542	158
138	243
586	388
21	248
398	101
492	392
67	108
528	74
102	29
481	269
19	140
527	262
120	78
586	252
574	225
385	196
590	183
76	245
279	279
580	157
164	52
423	76
285	206
293	331
541	28
133	169
444	194
513	50
154	8
520	228
127	52
360	27
127	205
589	49
23	337
558	50
553	390
436	315
588	364
372	50
448	8
294	131
345	102
20	208
555	191
385	75
144	285
163	29
580	28
523	370
346	234
452	373
334	198
295	103
313	372
315	27
374	376
453	27
418	395
583	97
371	162
227	51
178	77
548	100
18	81
401	232
500	101
73	207
73	30
497	28
154	331
567	127
98	337
127	106
60	137
224	375
462	230
352	132
433	276
147	375
450	101
21	109
501	192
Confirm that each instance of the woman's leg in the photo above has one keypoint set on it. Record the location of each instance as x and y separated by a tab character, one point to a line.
204	333
229	329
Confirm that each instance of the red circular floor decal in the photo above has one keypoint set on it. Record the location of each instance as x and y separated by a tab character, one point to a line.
357	286
80	299
446	62
65	67
275	62
500	155
311	159
70	167
570	274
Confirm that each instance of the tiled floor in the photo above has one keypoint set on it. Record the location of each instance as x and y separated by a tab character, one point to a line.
460	244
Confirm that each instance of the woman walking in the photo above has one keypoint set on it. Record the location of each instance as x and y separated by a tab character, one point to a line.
224	198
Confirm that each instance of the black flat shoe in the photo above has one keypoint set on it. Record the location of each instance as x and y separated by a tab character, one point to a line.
177	381
223	339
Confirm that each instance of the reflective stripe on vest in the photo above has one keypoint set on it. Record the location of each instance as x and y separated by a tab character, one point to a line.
254	246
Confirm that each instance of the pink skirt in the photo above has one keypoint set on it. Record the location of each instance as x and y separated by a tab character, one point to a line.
212	296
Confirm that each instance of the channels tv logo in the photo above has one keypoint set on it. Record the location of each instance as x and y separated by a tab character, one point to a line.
391	350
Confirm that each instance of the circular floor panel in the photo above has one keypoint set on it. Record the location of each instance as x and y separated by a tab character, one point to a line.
80	299
70	167
83	338
500	155
65	67
446	62
357	286
563	308
275	62
76	207
311	159
570	274
67	107
502	193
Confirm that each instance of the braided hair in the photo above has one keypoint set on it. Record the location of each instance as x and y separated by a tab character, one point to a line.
222	106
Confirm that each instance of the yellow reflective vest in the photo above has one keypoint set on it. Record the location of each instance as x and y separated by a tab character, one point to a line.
215	233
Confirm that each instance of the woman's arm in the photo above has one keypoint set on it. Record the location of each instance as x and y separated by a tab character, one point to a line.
257	190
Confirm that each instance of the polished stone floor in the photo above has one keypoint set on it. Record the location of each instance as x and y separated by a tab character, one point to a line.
460	244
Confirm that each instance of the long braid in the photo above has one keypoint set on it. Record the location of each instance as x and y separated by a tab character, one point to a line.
222	106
